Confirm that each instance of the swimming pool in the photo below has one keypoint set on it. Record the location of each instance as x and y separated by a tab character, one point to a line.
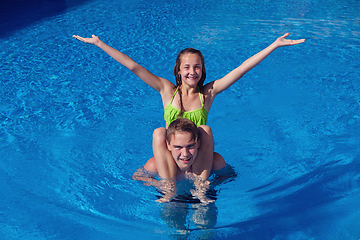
75	125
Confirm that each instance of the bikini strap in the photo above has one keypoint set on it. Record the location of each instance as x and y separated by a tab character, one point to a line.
201	100
173	96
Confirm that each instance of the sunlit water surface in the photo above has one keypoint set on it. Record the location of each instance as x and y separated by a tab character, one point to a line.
75	125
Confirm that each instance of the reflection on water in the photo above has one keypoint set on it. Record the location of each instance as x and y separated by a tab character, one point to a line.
188	217
185	213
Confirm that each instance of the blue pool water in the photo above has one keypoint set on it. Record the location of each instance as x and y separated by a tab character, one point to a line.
75	125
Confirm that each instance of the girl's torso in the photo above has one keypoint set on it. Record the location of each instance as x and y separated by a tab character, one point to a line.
190	102
193	108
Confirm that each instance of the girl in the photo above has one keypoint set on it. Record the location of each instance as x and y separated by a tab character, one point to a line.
189	98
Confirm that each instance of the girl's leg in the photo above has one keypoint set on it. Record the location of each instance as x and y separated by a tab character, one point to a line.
164	161
165	165
204	160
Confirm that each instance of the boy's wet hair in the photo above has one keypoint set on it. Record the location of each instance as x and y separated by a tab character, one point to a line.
182	125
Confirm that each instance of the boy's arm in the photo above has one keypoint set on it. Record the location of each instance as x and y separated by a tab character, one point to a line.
201	187
168	187
148	180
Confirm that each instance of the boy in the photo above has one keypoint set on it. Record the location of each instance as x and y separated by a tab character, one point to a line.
183	141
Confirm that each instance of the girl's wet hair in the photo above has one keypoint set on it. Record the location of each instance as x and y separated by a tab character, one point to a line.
178	77
182	125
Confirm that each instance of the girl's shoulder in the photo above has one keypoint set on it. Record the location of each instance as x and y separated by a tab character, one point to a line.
168	92
208	89
208	94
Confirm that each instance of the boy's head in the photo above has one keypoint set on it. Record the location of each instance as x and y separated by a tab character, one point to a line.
182	137
182	125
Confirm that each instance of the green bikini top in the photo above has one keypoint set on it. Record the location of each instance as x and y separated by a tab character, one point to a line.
198	116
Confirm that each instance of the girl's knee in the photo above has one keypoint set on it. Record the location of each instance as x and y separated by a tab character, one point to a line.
206	134
159	137
159	134
206	129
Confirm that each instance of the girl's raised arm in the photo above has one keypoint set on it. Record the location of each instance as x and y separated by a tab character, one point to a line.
153	81
220	85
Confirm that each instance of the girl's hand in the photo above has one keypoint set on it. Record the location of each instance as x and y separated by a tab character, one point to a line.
94	40
281	41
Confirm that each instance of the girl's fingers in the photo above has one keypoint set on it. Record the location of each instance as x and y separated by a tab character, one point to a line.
285	35
77	37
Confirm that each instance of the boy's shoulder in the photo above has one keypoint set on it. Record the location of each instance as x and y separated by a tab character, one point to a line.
150	165
218	163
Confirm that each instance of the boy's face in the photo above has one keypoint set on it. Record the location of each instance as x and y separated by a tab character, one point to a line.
183	149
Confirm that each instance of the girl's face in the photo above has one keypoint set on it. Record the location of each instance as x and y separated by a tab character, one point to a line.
190	69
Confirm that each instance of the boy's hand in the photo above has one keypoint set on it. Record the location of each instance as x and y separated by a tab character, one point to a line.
201	196
169	190
201	187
